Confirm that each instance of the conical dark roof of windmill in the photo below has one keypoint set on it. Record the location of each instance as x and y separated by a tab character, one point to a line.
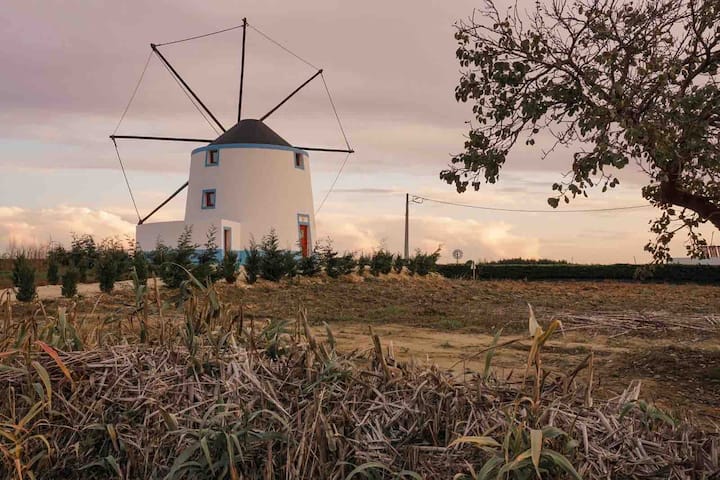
251	131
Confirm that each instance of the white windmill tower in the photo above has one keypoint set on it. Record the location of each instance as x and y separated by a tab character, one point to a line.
243	183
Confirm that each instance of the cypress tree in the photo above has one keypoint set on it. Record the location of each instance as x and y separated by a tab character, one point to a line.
171	272
107	271
23	276
252	262
53	271
69	282
140	262
272	261
207	270
229	267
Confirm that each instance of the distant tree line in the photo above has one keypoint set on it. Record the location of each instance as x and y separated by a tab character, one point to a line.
521	261
674	273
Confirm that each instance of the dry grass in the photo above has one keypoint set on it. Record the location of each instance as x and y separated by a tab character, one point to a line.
209	391
474	306
616	320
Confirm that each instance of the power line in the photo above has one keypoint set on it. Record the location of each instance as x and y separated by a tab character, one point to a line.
521	210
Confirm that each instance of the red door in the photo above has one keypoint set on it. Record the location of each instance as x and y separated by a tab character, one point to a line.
304	240
227	239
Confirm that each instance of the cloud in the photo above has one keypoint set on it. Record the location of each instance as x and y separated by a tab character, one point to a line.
23	226
26	227
489	240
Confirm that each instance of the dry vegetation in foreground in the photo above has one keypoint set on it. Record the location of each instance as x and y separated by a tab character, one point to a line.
666	335
236	383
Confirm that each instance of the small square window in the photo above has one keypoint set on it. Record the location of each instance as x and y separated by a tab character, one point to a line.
300	161
212	159
208	199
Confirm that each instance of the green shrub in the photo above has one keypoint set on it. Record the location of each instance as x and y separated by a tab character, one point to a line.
252	262
159	259
140	263
53	271
334	264
334	267
173	263
381	262
69	282
310	265
362	262
273	262
346	264
207	269
423	263
107	271
83	255
183	255
112	261
59	256
290	263
329	259
526	261
660	273
229	266
23	276
398	263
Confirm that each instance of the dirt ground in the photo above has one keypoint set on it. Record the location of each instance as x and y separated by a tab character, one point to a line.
666	336
677	378
53	292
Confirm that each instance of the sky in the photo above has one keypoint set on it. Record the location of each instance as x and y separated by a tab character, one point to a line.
69	68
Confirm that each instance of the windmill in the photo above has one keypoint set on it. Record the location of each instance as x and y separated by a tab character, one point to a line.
243	183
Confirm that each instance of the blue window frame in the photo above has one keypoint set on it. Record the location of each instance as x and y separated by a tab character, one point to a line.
208	199
212	158
299	161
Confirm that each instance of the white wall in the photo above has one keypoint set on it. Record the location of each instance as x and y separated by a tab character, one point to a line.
236	234
148	234
259	188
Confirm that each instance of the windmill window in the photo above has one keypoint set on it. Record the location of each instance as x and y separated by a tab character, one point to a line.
208	199
300	161
212	158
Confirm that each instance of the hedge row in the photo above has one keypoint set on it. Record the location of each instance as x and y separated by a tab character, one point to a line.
659	273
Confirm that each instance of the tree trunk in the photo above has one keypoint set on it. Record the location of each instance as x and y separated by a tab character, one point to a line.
707	208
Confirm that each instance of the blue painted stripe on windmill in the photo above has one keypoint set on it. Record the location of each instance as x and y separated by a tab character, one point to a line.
249	145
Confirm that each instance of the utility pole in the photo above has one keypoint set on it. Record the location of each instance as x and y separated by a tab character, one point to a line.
407	226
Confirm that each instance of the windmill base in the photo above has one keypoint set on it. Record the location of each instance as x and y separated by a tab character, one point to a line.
227	235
